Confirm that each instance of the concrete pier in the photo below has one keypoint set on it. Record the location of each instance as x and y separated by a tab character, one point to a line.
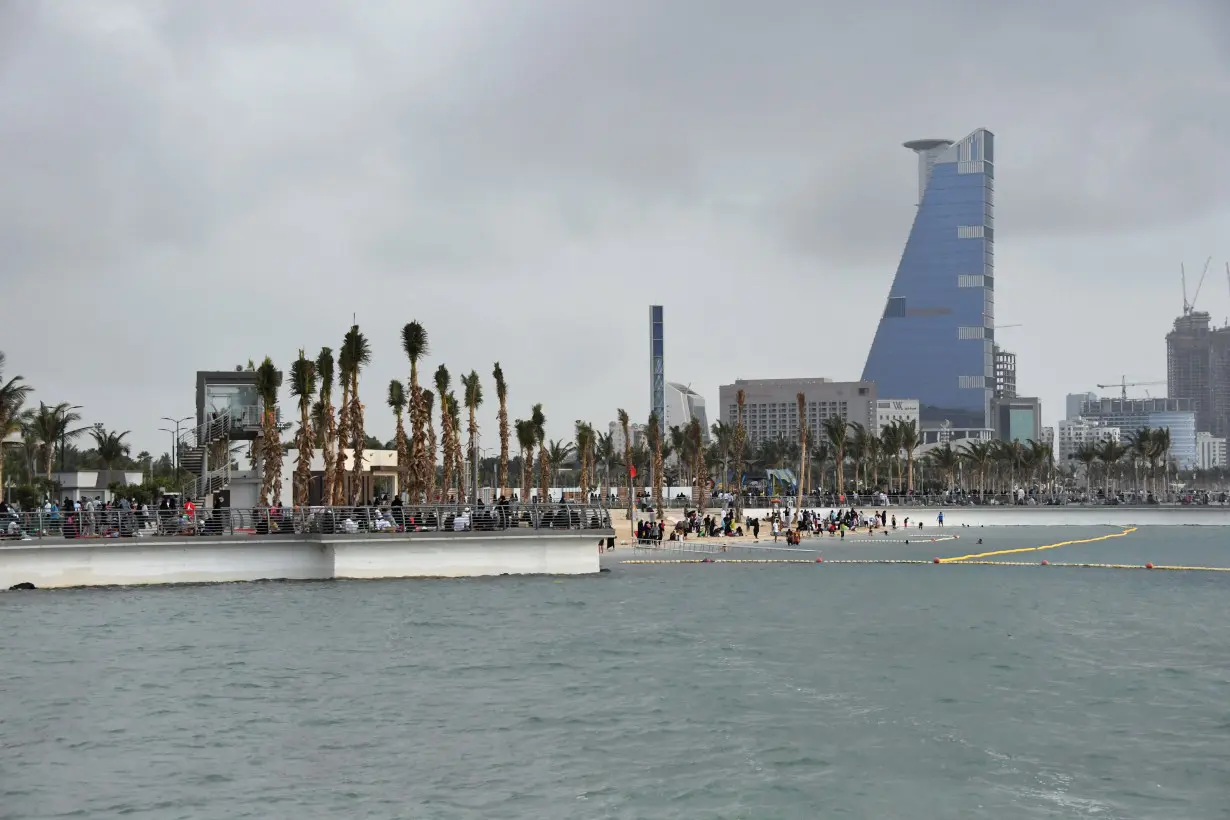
53	563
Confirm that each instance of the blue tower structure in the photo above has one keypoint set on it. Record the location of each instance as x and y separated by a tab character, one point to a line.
936	336
657	375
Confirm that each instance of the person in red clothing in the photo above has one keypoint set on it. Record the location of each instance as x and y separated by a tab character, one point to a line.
190	510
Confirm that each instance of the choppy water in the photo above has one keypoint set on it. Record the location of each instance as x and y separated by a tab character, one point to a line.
752	691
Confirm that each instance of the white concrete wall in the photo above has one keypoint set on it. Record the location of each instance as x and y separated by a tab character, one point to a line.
125	562
1013	516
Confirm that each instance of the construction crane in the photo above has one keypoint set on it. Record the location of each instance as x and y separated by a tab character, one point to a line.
1124	384
1188	307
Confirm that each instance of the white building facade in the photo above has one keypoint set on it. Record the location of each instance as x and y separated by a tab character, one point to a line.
771	406
1072	434
617	435
890	410
1210	452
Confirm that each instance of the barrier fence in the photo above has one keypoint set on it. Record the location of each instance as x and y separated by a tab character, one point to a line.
928	500
137	523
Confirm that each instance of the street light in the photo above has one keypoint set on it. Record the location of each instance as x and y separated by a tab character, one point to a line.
175	440
64	436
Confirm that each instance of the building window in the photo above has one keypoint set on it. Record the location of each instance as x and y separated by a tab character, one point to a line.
969	231
969	280
969	167
895	308
971	333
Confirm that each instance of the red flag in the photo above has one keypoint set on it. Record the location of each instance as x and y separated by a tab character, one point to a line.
632	471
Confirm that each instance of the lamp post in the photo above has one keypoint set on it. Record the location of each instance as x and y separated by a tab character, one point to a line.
175	440
64	436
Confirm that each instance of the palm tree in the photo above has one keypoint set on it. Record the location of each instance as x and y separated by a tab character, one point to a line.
13	395
110	446
1141	444
629	466
405	468
723	437
454	421
801	402
1087	454
360	355
890	442
303	387
875	452
414	344
836	430
604	450
979	455
430	450
447	433
1109	453
700	480
909	443
654	434
540	436
501	393
859	448
326	421
344	366
527	438
1161	446
557	453
268	382
584	450
473	390
52	426
946	460
738	447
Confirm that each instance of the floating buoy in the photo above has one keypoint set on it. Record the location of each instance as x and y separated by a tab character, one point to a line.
1044	562
819	560
1149	565
935	560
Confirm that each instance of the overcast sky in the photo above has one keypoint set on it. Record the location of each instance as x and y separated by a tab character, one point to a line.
188	185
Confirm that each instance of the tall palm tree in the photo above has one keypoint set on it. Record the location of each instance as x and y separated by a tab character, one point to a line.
544	462
858	448
1141	444
723	438
473	391
801	402
326	421
431	448
1161	446
303	387
454	420
527	439
979	456
890	442
360	355
447	433
268	382
1087	454
700	478
344	367
837	431
585	450
629	466
654	434
405	468
414	344
738	447
557	453
110	446
501	393
13	395
608	457
909	441
52	426
945	460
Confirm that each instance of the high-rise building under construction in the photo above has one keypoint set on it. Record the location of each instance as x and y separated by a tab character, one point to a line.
1189	360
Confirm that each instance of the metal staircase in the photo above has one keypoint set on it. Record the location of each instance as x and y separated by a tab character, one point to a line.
205	450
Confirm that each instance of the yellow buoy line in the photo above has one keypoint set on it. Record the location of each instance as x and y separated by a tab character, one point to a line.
975	559
1172	568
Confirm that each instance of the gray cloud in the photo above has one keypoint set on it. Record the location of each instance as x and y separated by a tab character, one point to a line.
189	185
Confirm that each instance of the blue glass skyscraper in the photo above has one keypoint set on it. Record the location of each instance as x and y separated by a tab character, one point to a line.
935	337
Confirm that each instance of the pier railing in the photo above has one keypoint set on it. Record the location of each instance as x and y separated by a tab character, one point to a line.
265	521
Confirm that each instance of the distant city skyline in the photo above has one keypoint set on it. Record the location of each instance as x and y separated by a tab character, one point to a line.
192	185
